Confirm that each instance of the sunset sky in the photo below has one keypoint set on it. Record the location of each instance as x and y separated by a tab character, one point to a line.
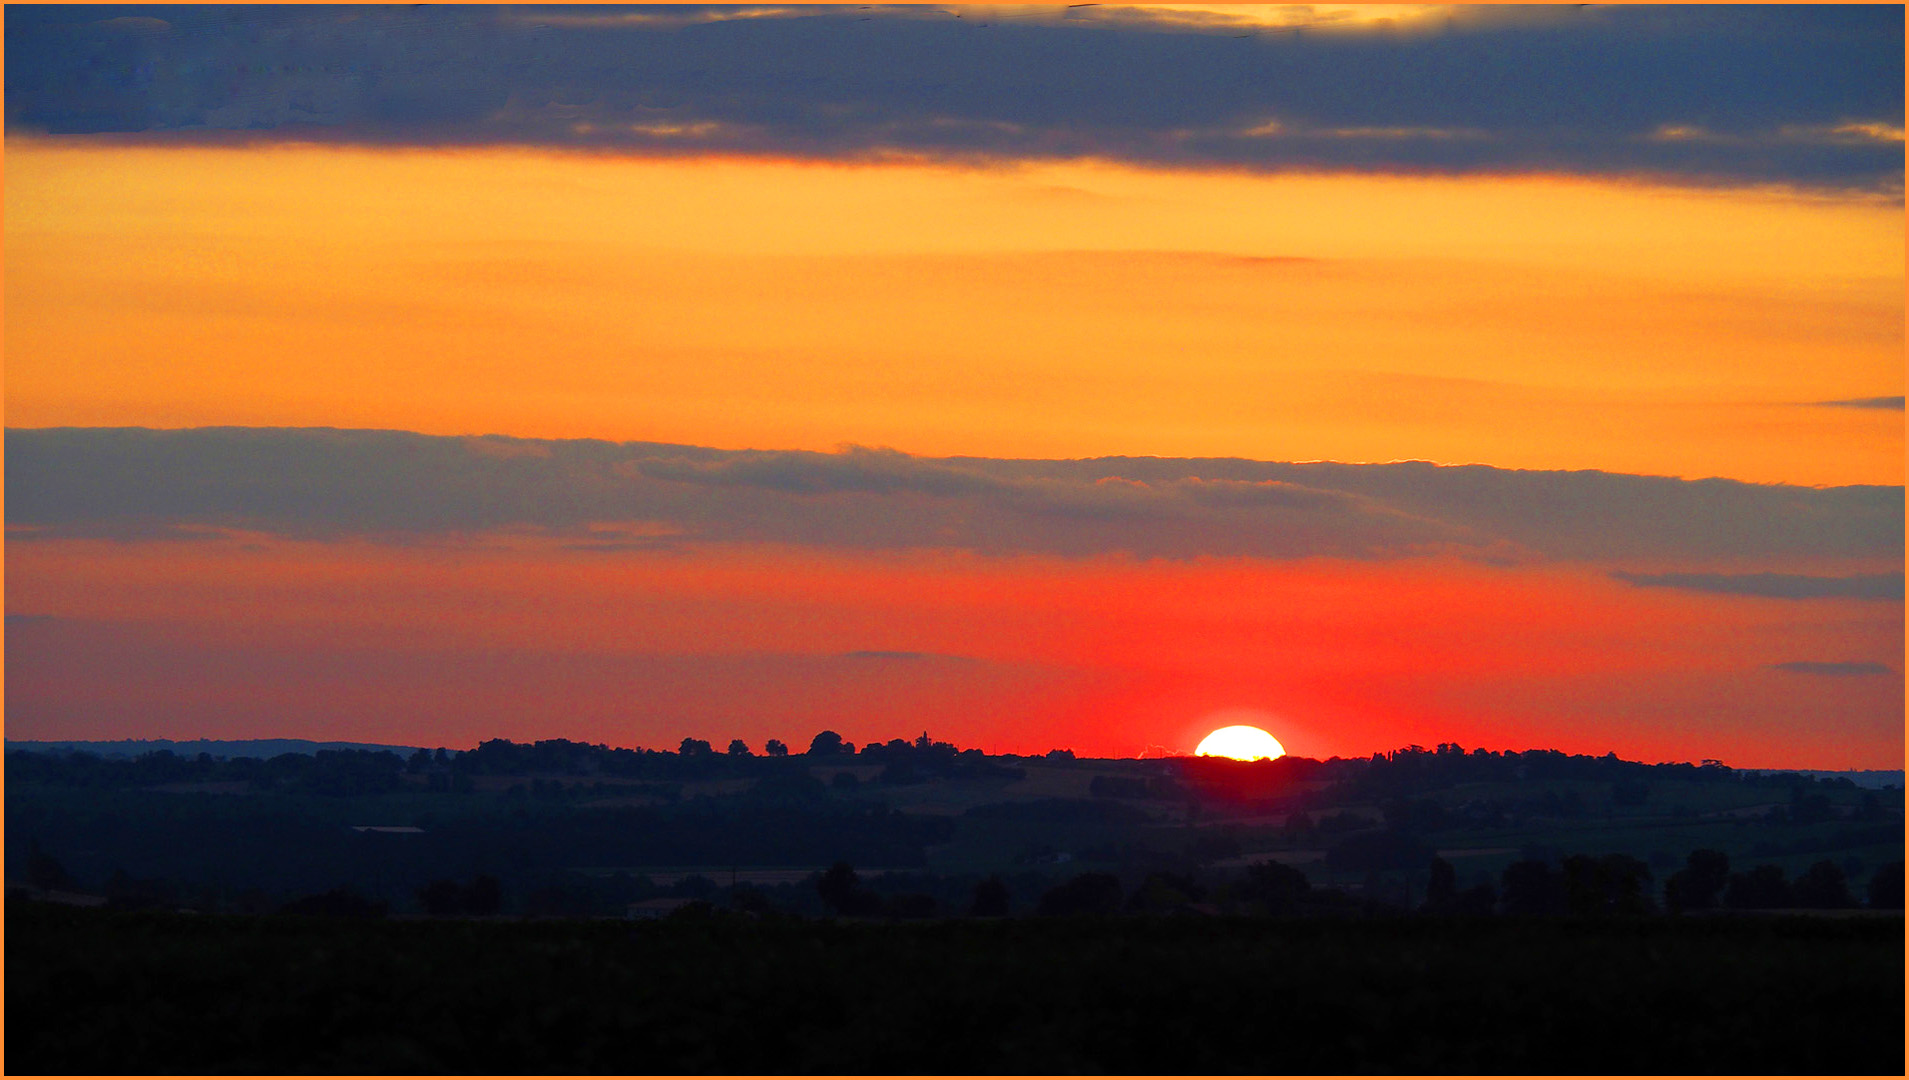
1034	376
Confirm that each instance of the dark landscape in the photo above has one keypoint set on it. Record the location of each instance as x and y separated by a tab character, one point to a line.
914	907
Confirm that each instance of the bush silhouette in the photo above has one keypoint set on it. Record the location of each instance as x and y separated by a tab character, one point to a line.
841	889
990	897
1822	886
1087	894
1763	887
1700	883
1885	888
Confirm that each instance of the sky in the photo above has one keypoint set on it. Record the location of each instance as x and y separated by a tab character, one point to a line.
1036	376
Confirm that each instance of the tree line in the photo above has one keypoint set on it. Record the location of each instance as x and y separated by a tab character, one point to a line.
1579	886
1397	773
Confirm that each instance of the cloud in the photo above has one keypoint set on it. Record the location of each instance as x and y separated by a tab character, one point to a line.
1834	668
1865	403
321	483
1808	96
17	619
856	469
1777	586
890	654
135	24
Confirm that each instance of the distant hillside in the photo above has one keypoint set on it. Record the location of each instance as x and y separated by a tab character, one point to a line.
267	748
218	748
1862	778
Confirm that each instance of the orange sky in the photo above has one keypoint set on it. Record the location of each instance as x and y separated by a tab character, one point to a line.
1056	310
1053	310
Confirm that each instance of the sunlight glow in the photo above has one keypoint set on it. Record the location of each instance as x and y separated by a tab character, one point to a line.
1242	742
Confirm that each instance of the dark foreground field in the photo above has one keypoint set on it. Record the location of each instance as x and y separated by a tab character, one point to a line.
99	992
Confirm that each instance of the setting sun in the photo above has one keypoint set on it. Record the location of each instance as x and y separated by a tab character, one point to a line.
1243	742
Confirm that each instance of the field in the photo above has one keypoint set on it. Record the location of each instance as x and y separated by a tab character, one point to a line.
107	992
571	829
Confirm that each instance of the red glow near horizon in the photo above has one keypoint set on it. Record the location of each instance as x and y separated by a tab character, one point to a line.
512	636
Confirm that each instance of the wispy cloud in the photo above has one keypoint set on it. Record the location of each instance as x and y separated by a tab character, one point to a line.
1731	94
1777	586
136	483
1834	668
1865	403
892	654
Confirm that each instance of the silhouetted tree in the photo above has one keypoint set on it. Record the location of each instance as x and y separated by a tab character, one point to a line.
841	889
776	748
1885	888
441	896
483	896
1272	887
1606	885
1086	894
990	897
1626	880
1532	888
1441	885
1763	887
694	747
1164	891
1822	886
826	744
836	883
738	748
44	871
1700	883
1584	892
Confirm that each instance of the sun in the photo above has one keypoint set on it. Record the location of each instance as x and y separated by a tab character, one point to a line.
1242	742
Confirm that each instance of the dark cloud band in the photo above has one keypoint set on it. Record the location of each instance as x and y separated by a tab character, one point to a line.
140	484
1778	586
1833	668
1894	403
1808	96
